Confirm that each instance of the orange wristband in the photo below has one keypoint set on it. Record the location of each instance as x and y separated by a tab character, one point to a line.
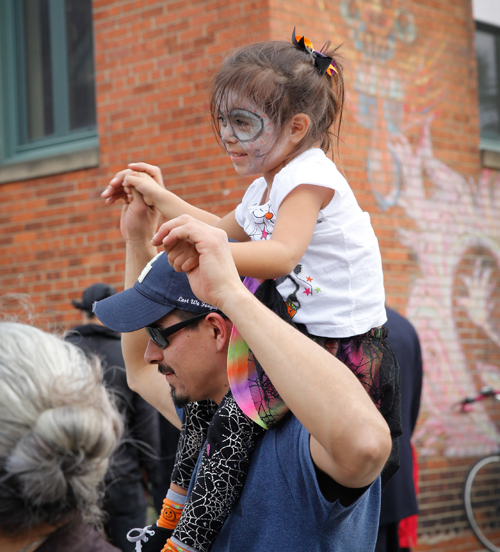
171	547
170	514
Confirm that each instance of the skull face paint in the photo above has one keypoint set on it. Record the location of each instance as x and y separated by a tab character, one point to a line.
246	126
249	137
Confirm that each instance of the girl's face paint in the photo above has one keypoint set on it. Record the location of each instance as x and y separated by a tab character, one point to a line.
245	125
248	135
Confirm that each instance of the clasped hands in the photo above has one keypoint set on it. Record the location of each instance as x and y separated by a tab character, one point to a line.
198	249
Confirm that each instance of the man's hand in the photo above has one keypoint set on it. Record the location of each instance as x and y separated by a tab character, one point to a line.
138	221
204	251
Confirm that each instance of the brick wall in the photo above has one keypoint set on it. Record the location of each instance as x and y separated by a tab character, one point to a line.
153	65
409	150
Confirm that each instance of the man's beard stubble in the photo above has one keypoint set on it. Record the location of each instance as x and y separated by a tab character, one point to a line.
178	399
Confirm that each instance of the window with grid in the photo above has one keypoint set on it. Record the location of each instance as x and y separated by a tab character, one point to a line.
47	69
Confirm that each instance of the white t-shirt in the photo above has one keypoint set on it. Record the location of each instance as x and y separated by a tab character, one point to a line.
337	289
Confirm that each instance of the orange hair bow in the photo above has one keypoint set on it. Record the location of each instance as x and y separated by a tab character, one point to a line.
323	63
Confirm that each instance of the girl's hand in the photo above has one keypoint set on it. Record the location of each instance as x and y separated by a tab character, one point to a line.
183	257
115	189
153	171
144	184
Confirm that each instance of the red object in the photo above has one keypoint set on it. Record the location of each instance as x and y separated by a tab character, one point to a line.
407	529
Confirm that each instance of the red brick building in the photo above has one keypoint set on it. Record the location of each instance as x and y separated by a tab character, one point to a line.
414	149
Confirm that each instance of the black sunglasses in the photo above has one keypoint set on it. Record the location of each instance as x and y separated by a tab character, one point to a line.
159	336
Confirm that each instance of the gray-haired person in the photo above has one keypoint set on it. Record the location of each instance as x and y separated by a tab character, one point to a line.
58	429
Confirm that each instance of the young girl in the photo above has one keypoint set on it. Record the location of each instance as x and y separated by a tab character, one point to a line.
274	105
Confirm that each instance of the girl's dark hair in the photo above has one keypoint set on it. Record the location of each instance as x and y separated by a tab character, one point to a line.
282	80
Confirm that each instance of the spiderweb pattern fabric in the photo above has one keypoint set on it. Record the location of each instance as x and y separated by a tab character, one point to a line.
223	469
197	418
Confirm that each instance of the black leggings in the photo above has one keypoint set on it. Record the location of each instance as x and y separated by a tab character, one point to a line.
230	441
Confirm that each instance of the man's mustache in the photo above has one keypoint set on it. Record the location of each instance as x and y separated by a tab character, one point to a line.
164	369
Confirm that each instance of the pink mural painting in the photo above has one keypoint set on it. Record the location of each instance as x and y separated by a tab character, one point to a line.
396	90
451	218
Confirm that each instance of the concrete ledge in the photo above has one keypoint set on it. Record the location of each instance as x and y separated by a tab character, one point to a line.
35	168
490	159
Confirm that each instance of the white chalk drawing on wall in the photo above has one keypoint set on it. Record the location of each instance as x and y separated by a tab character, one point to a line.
478	303
375	30
392	95
452	218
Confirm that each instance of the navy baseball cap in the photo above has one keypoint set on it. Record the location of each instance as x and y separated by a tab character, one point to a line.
158	290
93	293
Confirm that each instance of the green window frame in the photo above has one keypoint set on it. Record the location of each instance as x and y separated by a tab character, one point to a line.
47	96
488	63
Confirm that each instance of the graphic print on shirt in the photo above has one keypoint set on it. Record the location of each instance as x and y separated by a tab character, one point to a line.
260	225
292	301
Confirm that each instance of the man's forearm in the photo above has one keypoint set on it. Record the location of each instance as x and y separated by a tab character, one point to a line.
134	344
141	377
138	254
353	440
320	390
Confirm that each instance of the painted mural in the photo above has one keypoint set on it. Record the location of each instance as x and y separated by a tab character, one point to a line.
455	222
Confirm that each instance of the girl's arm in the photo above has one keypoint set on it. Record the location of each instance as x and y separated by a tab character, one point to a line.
292	234
148	181
278	256
233	230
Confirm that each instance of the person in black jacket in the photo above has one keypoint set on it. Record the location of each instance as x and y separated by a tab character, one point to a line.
135	464
399	499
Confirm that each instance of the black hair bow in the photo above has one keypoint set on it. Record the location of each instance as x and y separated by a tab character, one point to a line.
323	63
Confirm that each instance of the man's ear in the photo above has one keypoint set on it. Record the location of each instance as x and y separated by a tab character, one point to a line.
221	329
299	126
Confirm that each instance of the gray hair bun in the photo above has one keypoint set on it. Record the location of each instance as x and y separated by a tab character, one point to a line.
58	429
